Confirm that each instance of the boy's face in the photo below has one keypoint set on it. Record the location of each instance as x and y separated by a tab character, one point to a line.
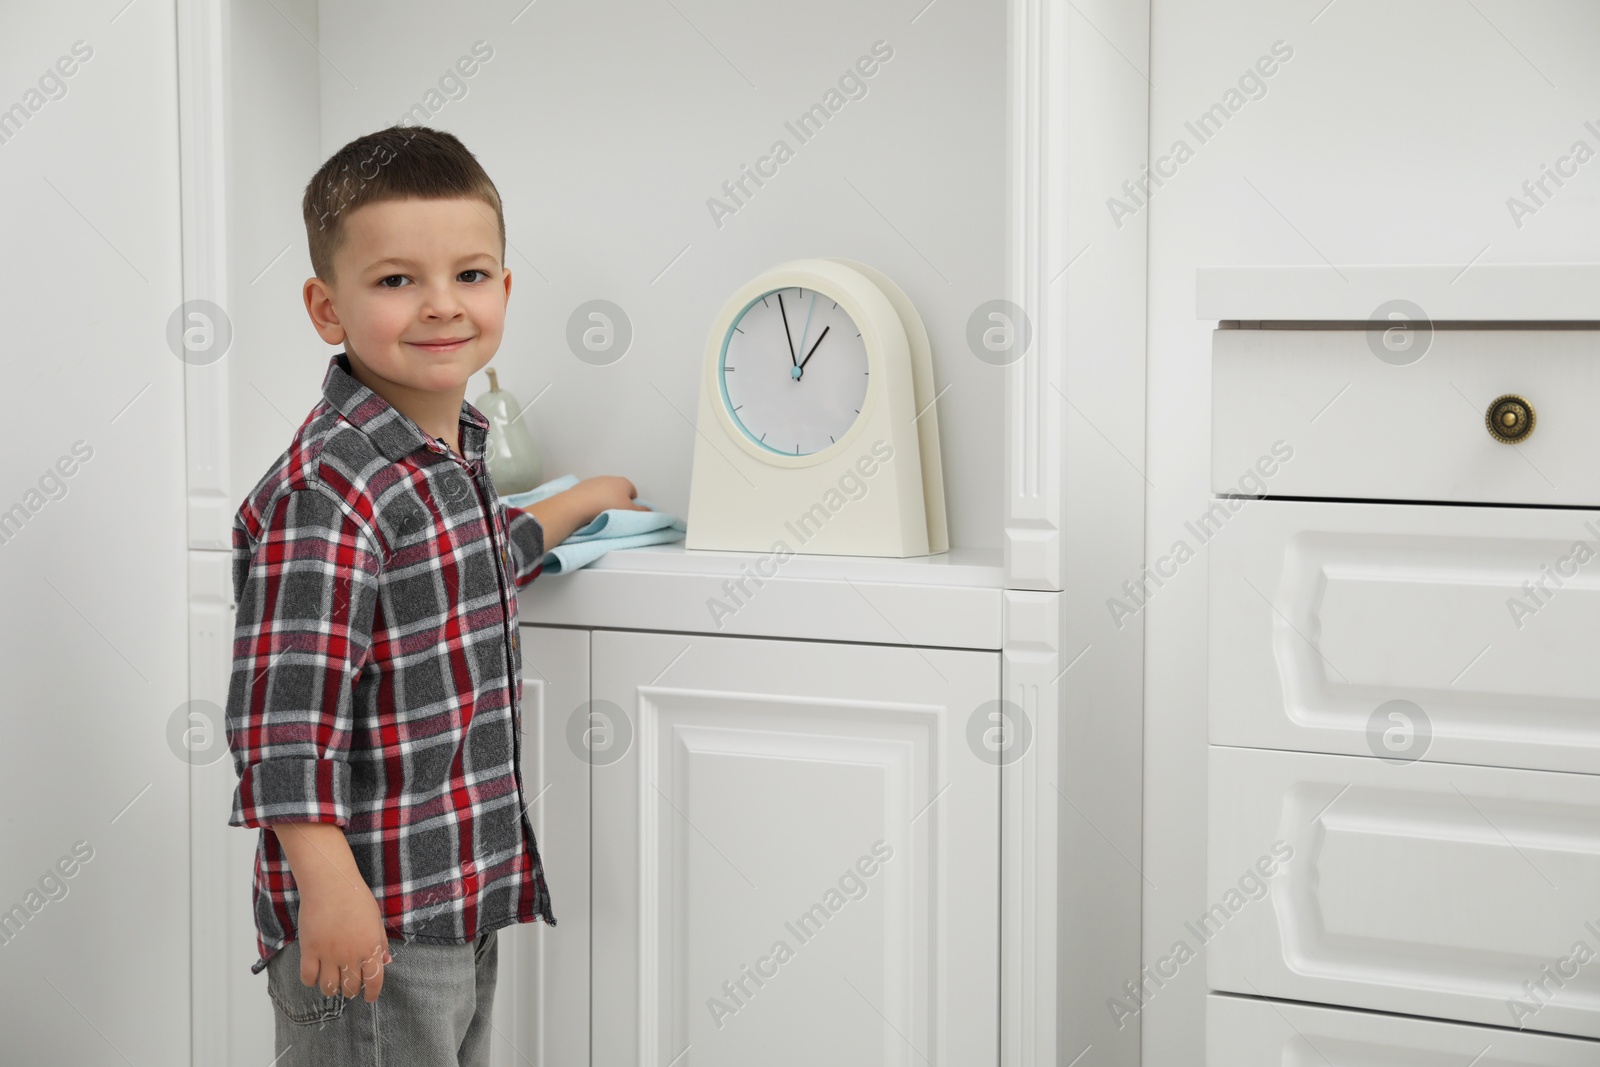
412	273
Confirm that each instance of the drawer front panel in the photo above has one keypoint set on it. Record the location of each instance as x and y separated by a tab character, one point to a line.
1260	1033
1455	892
1362	428
1450	634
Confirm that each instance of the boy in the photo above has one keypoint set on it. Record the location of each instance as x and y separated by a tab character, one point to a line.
374	705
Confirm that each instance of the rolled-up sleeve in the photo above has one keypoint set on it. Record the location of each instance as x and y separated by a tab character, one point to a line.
306	588
527	545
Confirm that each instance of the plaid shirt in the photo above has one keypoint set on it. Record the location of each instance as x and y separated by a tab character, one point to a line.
377	676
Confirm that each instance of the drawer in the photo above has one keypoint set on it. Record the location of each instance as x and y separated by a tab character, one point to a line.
1347	424
1438	890
1260	1033
1451	634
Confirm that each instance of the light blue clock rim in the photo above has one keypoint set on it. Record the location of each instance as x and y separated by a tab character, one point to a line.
722	378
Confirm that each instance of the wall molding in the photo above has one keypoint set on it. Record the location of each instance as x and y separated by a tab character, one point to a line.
202	108
202	133
1071	839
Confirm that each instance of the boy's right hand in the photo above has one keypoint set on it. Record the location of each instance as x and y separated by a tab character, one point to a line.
343	943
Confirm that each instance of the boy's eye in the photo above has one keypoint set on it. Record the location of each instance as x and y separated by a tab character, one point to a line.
384	281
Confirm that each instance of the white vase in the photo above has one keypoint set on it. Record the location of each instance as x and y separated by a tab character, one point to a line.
513	458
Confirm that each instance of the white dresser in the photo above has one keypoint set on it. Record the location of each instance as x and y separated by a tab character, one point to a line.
1404	654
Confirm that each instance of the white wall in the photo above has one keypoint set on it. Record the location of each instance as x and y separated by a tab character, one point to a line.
92	628
1395	134
606	127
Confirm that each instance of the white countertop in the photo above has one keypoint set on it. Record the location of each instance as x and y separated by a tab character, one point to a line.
952	599
959	566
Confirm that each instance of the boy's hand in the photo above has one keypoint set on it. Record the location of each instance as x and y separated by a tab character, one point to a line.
561	513
604	492
343	943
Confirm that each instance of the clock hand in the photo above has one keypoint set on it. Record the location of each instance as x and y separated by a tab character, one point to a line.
820	336
787	336
805	333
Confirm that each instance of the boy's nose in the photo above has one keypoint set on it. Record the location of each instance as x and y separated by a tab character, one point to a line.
441	301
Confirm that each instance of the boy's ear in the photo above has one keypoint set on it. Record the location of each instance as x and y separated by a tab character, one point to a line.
324	317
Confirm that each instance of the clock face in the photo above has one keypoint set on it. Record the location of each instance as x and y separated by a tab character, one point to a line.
794	371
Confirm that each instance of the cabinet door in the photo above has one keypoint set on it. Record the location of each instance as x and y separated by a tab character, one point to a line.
796	853
542	997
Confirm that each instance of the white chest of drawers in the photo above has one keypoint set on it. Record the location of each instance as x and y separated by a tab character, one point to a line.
1404	690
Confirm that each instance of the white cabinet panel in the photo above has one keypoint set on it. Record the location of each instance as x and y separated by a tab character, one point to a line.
1466	893
1262	1033
1482	622
795	853
542	999
1364	428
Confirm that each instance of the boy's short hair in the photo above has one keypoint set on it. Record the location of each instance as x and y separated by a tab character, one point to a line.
398	163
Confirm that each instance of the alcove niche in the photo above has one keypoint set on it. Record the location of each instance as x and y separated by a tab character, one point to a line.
622	138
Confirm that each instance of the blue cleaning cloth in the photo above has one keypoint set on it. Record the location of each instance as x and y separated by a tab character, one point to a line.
612	528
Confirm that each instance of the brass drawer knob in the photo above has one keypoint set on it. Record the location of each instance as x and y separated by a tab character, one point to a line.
1510	419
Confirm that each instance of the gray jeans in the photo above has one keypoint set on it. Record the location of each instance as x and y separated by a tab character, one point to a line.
433	1010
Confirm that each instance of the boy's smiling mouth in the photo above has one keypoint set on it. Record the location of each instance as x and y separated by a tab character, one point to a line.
440	346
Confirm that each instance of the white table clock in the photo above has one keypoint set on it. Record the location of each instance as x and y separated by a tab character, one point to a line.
808	431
